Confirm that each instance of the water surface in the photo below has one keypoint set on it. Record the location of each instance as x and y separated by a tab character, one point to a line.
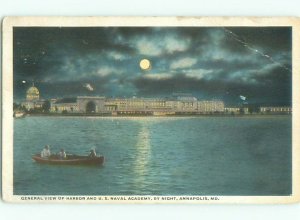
157	156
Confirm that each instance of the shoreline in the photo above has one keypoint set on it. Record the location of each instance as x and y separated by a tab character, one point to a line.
160	116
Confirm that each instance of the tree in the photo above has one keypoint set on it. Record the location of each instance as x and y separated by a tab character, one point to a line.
242	111
253	109
46	106
250	109
23	108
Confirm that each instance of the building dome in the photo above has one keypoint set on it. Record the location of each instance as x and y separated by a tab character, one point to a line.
32	94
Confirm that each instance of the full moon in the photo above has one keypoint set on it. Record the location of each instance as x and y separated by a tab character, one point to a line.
145	64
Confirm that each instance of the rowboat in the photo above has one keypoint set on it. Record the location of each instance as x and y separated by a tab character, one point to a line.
69	160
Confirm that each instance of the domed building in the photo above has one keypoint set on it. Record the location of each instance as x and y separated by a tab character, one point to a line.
32	94
33	100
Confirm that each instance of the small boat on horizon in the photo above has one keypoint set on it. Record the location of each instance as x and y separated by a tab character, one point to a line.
69	160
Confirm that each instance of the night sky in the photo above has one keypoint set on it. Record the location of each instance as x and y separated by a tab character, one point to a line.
210	63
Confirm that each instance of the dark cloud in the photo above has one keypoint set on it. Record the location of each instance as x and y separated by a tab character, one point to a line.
210	62
274	88
270	39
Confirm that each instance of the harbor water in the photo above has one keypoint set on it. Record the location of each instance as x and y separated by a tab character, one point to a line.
157	155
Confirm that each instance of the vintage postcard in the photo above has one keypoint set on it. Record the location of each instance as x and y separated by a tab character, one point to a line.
150	110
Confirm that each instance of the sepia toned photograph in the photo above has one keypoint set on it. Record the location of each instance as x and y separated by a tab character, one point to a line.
150	110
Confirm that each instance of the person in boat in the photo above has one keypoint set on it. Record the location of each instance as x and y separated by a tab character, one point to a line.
92	153
62	154
46	152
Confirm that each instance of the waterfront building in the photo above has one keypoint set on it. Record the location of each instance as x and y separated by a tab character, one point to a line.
236	110
214	106
80	104
33	100
69	105
188	104
91	104
36	104
178	103
245	110
276	110
134	105
232	110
